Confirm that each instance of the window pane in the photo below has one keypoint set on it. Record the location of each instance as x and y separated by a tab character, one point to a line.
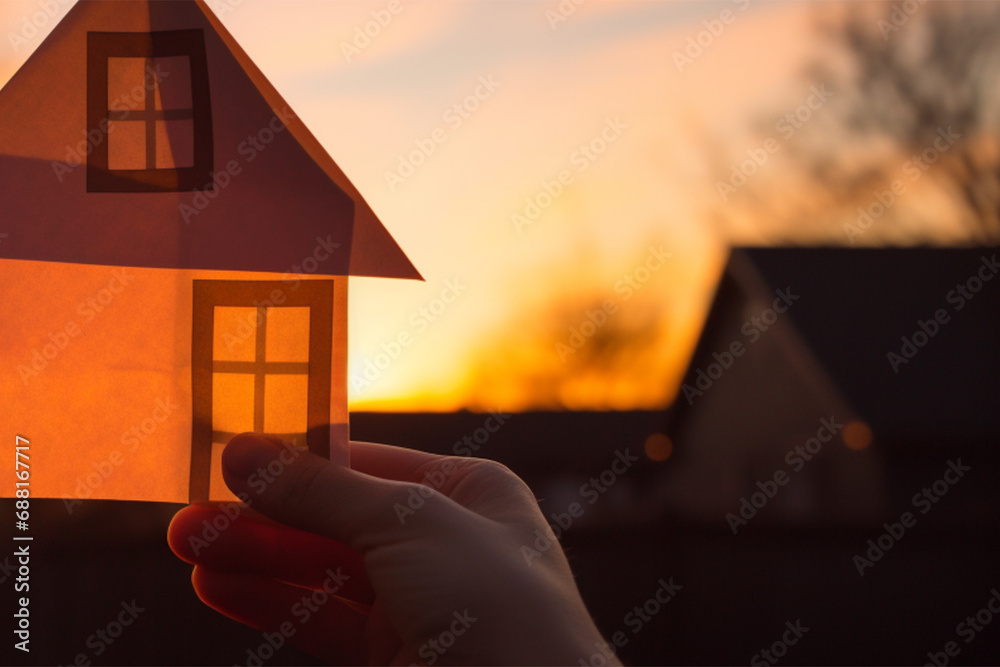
174	144
287	334
154	77
217	489
232	402
285	406
126	83
126	144
173	82
235	334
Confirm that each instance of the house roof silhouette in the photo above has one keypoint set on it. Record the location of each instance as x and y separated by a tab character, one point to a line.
264	213
854	308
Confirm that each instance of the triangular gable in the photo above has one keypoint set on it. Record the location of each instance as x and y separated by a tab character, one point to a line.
858	306
741	287
275	201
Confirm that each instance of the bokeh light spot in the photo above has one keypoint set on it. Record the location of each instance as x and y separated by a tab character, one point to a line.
659	447
857	435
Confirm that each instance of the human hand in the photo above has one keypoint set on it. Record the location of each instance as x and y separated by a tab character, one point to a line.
444	581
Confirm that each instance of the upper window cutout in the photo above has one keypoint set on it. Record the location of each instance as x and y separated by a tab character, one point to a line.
148	112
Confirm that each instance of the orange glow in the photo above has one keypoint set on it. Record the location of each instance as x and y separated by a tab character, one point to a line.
288	334
99	377
217	484
857	435
235	334
529	286
285	403
659	447
232	402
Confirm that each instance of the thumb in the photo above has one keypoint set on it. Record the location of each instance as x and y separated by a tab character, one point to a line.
305	491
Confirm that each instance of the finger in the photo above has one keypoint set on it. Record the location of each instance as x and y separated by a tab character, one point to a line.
314	621
391	462
314	494
490	489
205	535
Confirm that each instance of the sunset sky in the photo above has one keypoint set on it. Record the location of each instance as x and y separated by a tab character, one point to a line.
549	85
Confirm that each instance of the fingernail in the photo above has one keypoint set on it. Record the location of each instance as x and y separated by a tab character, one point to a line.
247	453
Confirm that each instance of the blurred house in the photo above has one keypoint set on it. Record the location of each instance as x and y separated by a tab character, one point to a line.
893	352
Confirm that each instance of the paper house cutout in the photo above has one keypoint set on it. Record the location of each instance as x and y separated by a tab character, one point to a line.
176	261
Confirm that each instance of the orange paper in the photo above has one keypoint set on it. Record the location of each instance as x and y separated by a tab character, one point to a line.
176	264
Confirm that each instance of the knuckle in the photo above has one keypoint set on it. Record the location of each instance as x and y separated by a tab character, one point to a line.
501	481
488	470
446	473
421	504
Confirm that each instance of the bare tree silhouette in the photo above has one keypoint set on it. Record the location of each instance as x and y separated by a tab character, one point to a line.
906	74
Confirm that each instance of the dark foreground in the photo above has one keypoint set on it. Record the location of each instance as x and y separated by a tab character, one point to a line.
793	590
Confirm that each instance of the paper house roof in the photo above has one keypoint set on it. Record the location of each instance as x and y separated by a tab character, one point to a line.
139	133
